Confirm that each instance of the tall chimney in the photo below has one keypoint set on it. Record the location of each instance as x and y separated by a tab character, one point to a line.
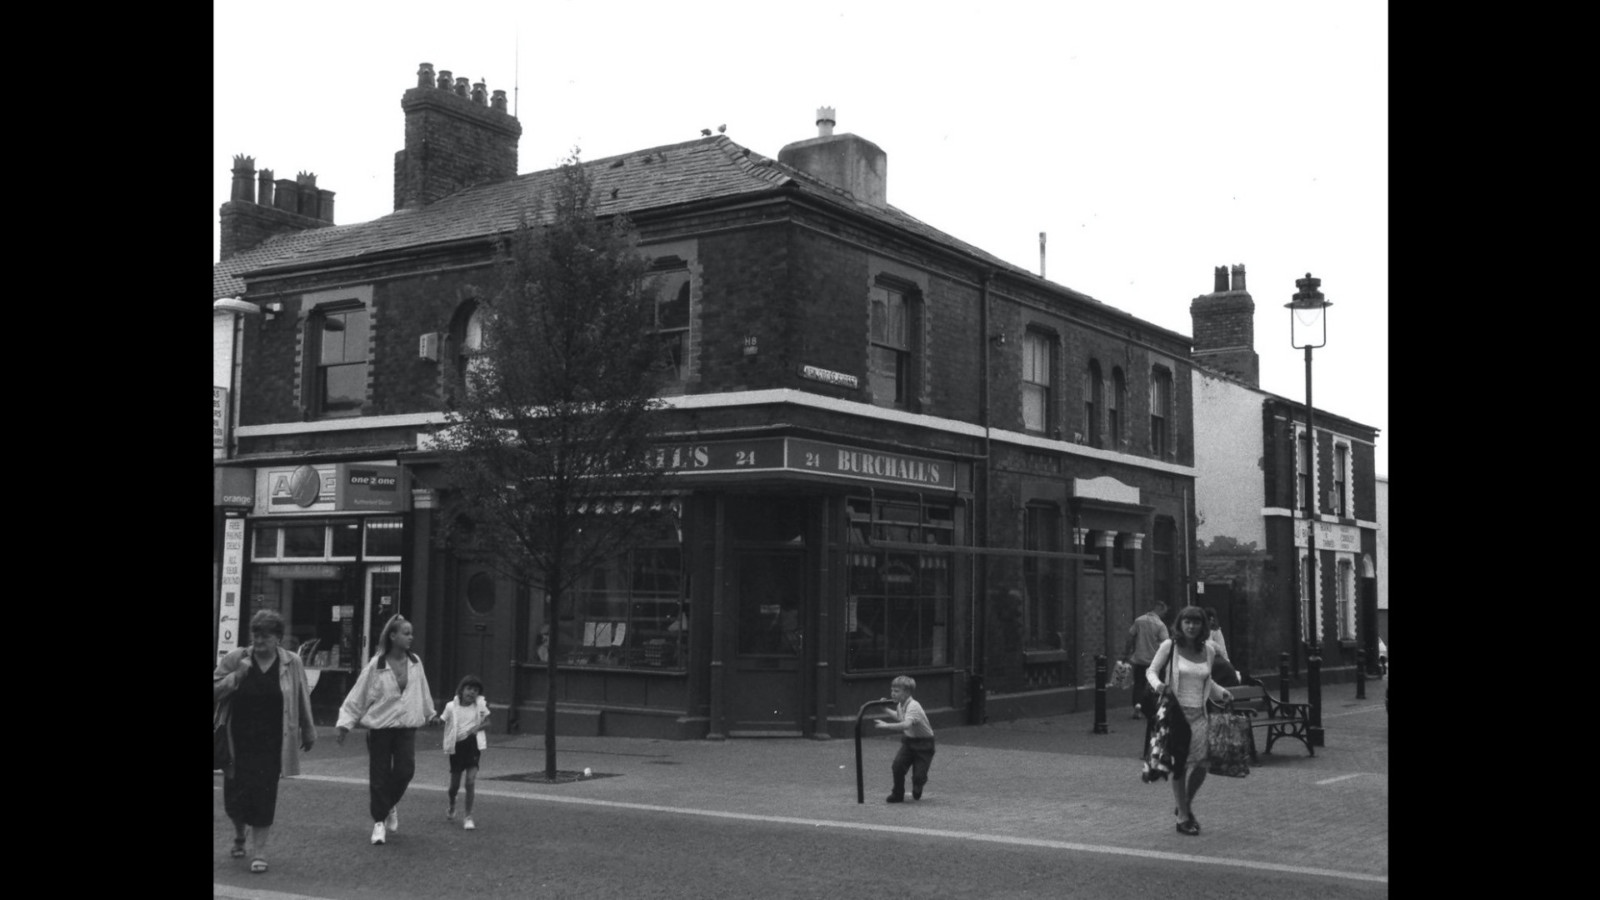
1224	328
847	162
453	139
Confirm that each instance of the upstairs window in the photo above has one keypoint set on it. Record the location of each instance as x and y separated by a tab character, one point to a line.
1302	465
341	353
1114	404
1340	497
890	354
672	315
1036	355
467	333
1160	409
1094	391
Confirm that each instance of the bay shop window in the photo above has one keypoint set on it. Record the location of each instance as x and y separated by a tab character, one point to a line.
633	611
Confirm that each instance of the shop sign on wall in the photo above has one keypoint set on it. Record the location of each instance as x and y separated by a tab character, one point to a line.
1330	536
232	563
372	488
800	455
219	418
341	486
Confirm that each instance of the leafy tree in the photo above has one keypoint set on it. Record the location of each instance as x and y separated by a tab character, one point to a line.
549	437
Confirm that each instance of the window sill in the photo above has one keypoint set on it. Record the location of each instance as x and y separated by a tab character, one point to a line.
1044	656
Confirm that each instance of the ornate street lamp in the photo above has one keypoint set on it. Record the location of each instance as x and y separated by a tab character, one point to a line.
1308	328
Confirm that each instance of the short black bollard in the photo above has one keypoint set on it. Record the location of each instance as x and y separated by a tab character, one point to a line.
1361	674
861	785
1100	695
1383	665
1283	677
1314	694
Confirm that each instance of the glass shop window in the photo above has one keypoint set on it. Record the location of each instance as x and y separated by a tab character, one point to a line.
898	604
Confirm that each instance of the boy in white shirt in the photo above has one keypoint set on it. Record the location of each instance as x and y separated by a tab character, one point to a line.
916	746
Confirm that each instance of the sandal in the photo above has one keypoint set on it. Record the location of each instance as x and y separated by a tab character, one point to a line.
238	849
258	865
1189	827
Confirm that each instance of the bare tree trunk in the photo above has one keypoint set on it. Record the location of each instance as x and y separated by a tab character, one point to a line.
550	683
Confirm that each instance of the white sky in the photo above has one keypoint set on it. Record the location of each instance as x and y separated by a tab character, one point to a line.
1152	141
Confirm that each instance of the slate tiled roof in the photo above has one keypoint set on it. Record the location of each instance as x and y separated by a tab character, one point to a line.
710	168
225	280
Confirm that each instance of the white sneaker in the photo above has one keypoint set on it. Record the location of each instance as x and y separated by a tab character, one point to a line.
393	822
378	835
468	824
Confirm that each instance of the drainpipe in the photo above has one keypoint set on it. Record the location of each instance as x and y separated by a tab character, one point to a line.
980	596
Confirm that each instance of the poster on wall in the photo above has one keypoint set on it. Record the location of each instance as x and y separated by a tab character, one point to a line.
232	567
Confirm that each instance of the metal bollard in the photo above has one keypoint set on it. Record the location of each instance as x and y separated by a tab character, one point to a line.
1283	677
1100	695
1314	694
861	790
1361	674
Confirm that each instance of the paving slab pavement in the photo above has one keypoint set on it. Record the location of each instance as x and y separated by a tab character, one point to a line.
1045	779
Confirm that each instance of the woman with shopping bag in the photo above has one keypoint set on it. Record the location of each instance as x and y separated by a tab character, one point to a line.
1188	680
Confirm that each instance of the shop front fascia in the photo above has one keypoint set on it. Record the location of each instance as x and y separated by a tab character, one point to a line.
326	545
822	569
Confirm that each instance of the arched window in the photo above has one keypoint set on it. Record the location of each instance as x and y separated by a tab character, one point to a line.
466	334
1115	403
1037	350
1094	390
1160	409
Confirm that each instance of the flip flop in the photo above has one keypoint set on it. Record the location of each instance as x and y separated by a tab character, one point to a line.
258	865
238	849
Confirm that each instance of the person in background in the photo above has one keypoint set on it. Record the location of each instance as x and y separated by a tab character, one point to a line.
465	720
1222	669
916	742
1144	636
260	692
391	700
1192	685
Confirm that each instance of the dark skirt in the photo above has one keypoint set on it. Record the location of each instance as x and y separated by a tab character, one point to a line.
465	756
251	795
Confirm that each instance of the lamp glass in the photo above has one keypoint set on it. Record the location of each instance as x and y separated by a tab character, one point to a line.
1308	324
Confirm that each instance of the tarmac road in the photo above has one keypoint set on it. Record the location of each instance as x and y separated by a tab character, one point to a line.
1032	808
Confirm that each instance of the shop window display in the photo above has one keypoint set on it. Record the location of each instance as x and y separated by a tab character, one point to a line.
631	612
898	606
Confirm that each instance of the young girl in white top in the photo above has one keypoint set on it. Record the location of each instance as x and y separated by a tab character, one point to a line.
465	721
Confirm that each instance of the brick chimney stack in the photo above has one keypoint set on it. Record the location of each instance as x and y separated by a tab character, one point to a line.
845	161
1224	327
279	206
454	138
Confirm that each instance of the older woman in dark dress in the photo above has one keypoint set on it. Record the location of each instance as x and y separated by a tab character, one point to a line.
260	691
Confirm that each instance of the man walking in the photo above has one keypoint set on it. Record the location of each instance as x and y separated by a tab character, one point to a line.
1144	636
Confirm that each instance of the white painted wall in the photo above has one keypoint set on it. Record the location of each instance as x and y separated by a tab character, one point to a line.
1229	488
1383	542
221	348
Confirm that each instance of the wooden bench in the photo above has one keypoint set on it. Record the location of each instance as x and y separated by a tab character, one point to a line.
1281	720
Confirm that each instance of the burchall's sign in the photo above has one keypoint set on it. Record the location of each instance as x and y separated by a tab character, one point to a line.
801	455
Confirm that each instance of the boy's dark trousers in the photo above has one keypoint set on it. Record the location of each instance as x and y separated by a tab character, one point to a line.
915	754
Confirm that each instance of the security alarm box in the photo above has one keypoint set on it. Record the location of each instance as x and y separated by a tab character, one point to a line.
428	346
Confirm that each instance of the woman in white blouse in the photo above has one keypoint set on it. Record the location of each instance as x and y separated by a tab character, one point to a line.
1192	685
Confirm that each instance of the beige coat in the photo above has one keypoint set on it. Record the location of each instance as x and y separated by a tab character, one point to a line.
297	724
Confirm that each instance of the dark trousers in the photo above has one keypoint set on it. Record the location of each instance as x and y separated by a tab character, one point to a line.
916	754
1140	686
391	761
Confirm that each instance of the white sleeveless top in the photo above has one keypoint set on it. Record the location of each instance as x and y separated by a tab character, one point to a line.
1192	682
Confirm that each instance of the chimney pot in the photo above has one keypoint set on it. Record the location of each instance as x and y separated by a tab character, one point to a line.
463	86
325	205
244	186
498	101
445	80
306	178
1221	283
825	121
425	75
480	93
1238	277
288	195
266	182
